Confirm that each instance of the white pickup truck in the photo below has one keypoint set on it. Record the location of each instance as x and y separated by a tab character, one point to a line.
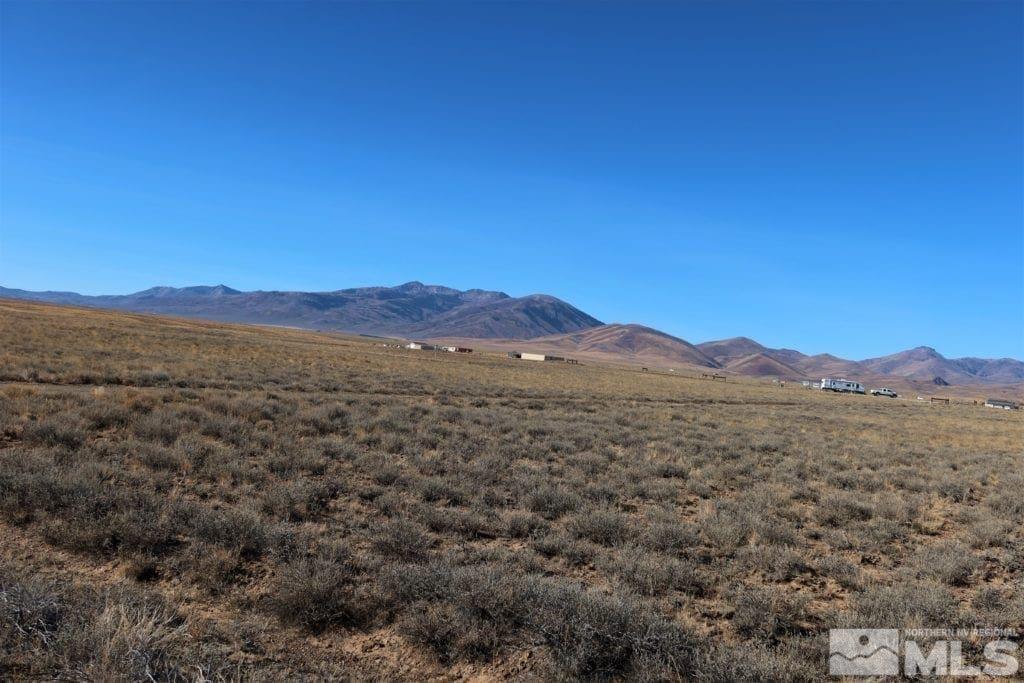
884	391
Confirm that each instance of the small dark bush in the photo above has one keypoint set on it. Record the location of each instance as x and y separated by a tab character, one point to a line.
434	489
604	527
522	524
590	635
400	539
950	563
56	632
59	430
670	537
845	573
727	529
766	614
319	592
243	531
162	427
906	605
105	415
776	563
453	632
652	575
840	509
552	502
326	419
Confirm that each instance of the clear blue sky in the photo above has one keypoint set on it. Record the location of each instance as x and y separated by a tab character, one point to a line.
819	175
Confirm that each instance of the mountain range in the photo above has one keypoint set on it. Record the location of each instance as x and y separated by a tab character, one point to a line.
923	363
416	310
412	310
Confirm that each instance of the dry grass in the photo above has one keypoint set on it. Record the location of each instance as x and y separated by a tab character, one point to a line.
240	502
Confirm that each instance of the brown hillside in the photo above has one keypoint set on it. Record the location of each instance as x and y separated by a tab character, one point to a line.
762	365
726	350
615	343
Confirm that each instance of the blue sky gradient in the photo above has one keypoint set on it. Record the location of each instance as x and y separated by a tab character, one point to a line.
841	177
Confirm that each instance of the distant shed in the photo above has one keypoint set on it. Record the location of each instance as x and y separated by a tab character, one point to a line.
1000	403
543	357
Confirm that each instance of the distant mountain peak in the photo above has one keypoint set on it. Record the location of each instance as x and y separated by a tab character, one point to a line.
486	292
417	286
216	290
200	290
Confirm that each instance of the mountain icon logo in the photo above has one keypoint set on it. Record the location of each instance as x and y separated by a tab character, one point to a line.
863	652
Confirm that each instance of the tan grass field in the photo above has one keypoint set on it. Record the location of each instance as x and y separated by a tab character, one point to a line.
184	500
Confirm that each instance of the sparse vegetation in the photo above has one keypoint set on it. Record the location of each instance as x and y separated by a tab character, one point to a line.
184	499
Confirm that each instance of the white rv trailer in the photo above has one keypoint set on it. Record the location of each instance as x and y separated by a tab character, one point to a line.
841	385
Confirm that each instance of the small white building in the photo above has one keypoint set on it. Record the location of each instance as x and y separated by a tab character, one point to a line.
540	357
1000	403
420	346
